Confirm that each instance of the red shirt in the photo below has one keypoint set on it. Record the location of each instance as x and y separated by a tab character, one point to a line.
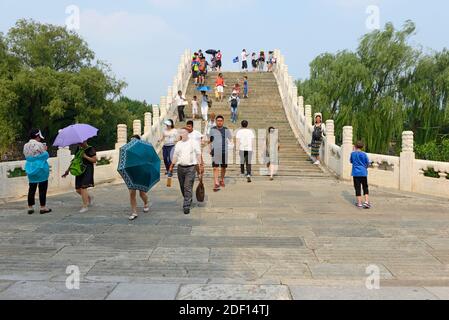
219	82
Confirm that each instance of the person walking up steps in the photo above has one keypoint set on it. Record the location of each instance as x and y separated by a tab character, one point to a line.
272	148
187	156
181	103
195	107
245	141
220	137
204	105
219	58
244	60
220	85
262	61
360	163
234	101
38	171
319	131
254	62
245	87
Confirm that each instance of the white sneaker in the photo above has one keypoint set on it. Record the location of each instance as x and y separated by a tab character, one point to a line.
317	163
84	210
146	210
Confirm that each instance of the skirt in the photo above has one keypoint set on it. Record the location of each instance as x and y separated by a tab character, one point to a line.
316	147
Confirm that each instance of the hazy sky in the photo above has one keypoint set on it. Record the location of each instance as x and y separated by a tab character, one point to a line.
143	39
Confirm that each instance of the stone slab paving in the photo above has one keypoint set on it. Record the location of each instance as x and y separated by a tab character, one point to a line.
294	238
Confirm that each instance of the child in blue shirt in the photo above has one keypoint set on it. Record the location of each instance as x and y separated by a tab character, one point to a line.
360	164
245	87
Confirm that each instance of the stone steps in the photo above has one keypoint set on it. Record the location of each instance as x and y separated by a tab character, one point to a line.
262	110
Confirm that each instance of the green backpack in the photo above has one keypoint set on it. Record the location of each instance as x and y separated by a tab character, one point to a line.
77	166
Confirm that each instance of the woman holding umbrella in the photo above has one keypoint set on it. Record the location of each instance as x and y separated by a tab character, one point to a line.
82	166
86	157
140	167
133	197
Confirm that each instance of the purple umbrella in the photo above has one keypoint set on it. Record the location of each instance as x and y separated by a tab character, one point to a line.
75	134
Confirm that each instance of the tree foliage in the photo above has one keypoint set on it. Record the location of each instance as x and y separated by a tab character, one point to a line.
383	88
49	79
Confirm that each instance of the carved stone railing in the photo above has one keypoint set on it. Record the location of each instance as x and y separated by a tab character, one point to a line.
402	173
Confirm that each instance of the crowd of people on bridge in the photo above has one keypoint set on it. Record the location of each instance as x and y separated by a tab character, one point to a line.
184	148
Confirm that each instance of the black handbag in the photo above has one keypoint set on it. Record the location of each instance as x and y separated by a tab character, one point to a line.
201	191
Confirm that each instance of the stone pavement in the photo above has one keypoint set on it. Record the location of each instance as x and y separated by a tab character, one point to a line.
294	238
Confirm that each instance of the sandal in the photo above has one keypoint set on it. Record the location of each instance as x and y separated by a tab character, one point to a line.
146	209
216	188
133	217
45	211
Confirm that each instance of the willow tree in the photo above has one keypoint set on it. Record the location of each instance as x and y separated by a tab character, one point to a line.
364	88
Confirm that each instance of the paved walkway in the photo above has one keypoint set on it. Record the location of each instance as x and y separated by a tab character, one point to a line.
293	238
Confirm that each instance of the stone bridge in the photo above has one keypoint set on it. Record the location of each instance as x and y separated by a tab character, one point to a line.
298	237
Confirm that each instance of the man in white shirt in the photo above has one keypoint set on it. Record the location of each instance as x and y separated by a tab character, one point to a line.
188	157
245	143
244	60
181	103
194	134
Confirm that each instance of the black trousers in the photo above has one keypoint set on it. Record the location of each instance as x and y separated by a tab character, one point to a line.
186	177
246	159
244	65
181	114
359	184
43	187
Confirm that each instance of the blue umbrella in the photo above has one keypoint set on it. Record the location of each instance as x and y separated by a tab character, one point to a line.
204	88
139	165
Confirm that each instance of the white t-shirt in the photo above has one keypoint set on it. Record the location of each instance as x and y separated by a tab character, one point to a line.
170	137
196	136
187	153
244	56
180	101
245	137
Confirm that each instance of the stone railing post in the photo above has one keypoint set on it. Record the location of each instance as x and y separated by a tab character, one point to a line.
122	136
148	123
64	159
307	124
346	150
163	107
156	123
330	140
407	159
137	128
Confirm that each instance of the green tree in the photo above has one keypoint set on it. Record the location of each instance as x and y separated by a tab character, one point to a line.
370	89
49	80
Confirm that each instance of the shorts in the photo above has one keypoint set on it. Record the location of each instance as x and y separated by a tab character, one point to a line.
194	110
203	73
222	164
216	165
195	74
220	89
244	65
219	64
254	64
